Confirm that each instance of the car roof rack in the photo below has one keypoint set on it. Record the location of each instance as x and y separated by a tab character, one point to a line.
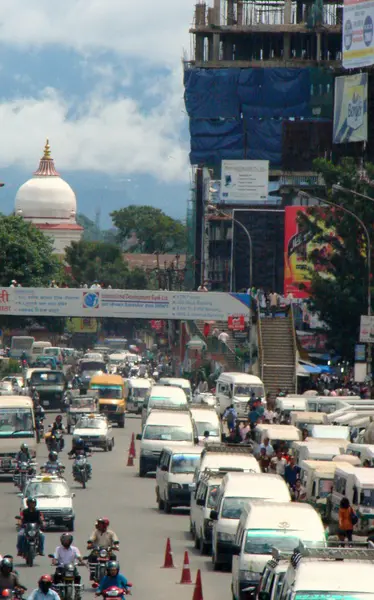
201	406
219	472
226	448
355	551
168	408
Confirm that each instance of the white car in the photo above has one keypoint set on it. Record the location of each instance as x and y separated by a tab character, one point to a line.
54	500
96	432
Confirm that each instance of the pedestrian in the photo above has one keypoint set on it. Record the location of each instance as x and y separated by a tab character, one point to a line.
347	519
264	460
274	299
202	288
206	329
230	415
266	445
299	493
292	473
223	338
278	464
244	428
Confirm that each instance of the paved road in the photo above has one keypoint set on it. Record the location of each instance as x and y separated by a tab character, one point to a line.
116	491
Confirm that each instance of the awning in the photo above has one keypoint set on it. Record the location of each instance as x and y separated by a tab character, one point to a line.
304	370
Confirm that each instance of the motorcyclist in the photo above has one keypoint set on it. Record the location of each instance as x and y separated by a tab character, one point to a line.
53	464
44	591
39	411
58	426
8	578
30	515
79	448
24	454
102	537
65	555
112	578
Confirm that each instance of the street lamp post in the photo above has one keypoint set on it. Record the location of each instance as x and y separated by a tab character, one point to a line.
368	243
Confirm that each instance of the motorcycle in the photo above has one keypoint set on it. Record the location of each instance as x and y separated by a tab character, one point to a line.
116	592
39	427
15	593
82	470
98	561
67	589
54	440
56	469
31	543
24	472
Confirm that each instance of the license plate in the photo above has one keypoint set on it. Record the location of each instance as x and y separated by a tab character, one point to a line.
46	402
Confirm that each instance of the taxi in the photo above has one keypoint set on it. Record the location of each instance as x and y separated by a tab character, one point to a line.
96	432
80	406
54	499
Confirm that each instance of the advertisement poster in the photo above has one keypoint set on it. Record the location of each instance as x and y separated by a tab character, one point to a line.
244	181
236	323
79	325
350	109
298	245
358	47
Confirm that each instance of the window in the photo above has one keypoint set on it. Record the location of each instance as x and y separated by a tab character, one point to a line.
314	489
355	495
269	583
340	485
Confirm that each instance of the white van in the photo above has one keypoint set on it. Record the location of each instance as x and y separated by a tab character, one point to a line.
163	426
38	349
356	484
206	500
264	526
184	384
337	432
323	450
362	451
285	405
206	419
236	490
174	474
163	396
306	420
236	389
17	426
136	391
276	434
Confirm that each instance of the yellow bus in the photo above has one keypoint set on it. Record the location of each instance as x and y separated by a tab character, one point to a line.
112	402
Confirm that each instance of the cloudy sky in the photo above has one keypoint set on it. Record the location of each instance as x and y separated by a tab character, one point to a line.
103	80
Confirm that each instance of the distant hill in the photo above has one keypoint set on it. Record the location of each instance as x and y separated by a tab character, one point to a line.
92	233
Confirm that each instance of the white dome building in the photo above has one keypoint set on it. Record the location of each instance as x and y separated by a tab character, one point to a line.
49	203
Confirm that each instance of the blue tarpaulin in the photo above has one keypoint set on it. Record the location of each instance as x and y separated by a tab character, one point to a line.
264	140
211	93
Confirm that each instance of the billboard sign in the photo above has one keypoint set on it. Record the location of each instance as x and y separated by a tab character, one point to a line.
366	329
130	304
358	30
82	325
236	323
350	109
244	181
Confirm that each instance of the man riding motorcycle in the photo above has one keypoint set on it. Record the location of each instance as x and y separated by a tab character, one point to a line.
23	455
30	515
53	465
102	538
79	448
113	578
8	579
58	426
65	555
44	591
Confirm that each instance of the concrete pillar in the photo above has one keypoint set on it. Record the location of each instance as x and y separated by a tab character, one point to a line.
217	10
286	46
287	12
240	12
210	15
319	45
199	47
230	12
200	13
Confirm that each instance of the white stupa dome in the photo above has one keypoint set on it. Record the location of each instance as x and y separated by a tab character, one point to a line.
46	196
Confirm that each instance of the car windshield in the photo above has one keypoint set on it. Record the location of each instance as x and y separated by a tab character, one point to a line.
262	541
46	488
327	595
184	463
202	427
325	487
232	507
139	392
169	433
113	392
212	496
83	404
85	423
93	366
47	378
15	421
51	351
367	497
246	390
166	401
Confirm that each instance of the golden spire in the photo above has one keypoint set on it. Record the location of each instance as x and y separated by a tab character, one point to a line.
47	149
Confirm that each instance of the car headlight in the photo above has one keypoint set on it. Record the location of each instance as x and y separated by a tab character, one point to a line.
146	453
249	576
175	486
226	537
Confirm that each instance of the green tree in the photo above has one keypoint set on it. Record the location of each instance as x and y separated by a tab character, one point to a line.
26	254
155	231
102	262
339	280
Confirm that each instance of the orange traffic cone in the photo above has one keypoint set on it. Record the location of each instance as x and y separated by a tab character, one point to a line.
198	591
130	460
186	573
168	562
132	446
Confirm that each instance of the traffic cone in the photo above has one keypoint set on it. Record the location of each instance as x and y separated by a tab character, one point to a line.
132	446
198	591
168	562
186	573
130	460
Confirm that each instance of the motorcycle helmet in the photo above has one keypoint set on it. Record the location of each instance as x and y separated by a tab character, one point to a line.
79	444
24	447
112	568
6	566
66	540
30	500
45	583
58	419
53	456
102	523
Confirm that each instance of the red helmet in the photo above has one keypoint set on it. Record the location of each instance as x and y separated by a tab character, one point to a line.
103	521
46	579
59	418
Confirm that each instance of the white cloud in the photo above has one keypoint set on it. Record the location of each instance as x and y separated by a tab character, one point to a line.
154	30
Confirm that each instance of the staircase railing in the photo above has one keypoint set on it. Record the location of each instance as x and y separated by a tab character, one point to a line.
214	346
294	342
259	341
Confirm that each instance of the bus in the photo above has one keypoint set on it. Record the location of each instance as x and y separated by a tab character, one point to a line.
20	344
116	344
17	425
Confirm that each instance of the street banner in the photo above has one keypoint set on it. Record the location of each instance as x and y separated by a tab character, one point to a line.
357	38
236	323
351	109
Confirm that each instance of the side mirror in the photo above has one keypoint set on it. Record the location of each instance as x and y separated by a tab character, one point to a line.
200	502
214	515
235	549
138	436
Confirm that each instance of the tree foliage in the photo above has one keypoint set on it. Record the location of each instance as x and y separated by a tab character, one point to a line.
155	231
102	262
339	278
93	233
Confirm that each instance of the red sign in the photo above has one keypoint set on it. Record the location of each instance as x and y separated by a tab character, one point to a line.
236	323
157	325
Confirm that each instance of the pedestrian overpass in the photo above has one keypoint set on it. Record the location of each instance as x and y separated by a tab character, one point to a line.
125	304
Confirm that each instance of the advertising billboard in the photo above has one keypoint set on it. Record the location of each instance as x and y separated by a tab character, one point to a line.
350	109
81	325
244	181
357	39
